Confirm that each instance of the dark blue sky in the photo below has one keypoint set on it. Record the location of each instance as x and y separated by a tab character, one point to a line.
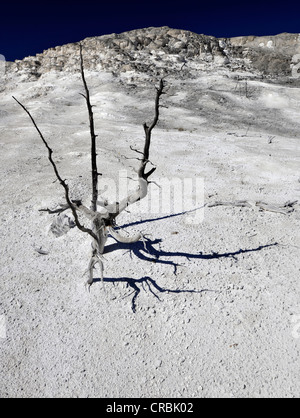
29	27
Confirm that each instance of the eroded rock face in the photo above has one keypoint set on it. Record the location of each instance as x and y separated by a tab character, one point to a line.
270	55
161	51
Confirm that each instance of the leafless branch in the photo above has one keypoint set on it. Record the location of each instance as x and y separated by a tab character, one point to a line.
148	132
95	173
142	189
136	150
72	206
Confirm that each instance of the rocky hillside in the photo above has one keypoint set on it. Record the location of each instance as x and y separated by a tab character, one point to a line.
161	51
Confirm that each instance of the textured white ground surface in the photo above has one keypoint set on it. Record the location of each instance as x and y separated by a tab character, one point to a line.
227	323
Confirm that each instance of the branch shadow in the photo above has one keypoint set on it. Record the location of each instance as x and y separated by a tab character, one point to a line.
134	284
146	251
161	218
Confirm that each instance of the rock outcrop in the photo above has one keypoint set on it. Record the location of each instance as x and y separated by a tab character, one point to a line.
161	51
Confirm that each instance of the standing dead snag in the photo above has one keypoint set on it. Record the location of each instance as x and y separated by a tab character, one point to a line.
103	218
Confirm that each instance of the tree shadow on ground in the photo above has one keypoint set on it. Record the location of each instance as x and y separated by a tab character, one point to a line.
151	284
145	250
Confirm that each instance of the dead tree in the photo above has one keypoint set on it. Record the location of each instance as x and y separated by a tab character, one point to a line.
102	214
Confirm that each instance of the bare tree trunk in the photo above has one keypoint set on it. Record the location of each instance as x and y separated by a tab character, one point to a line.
98	226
